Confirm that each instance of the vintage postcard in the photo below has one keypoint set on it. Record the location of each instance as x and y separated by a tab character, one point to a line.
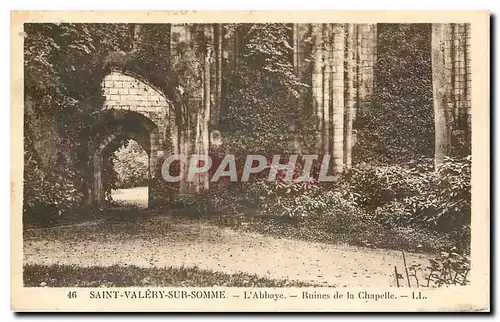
278	161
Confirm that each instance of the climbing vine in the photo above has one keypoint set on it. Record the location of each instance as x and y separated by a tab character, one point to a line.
63	70
400	126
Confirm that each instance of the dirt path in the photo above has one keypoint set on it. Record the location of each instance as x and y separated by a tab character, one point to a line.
137	197
161	241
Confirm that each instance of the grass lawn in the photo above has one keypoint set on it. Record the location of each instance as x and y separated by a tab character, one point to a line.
119	276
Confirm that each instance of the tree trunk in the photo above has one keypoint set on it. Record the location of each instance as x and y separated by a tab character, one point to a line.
440	92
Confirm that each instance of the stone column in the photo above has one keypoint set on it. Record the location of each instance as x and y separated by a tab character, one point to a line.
216	108
327	88
317	82
468	68
337	142
366	58
351	90
441	81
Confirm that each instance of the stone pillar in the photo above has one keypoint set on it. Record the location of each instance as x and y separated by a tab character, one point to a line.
449	75
460	48
337	62
302	63
202	137
317	82
457	66
338	43
366	58
351	89
185	53
468	69
154	168
327	88
216	108
441	81
98	192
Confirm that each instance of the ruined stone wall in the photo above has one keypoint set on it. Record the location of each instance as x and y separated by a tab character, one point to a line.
366	58
458	72
126	92
336	61
130	93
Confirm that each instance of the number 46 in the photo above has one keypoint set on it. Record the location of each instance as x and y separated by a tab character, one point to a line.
72	295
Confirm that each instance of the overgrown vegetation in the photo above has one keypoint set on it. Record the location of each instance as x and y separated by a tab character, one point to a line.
63	71
131	165
379	206
450	268
119	276
264	84
392	197
400	126
47	193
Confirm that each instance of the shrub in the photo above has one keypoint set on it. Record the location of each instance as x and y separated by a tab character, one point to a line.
454	193
376	185
445	199
415	197
291	199
380	205
343	215
231	199
220	199
450	268
278	198
131	164
47	192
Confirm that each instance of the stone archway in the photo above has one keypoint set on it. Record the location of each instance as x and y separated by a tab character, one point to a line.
133	108
111	127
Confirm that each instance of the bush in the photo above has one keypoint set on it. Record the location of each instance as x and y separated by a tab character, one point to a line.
454	193
131	164
291	199
231	199
47	193
221	199
450	268
372	205
278	198
376	185
400	196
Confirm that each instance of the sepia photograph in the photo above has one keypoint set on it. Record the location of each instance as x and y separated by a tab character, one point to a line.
189	158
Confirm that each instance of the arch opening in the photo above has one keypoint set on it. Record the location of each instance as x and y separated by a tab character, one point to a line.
113	129
133	109
127	169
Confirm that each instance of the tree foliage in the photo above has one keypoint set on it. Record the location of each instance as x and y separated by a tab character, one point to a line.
63	68
131	163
